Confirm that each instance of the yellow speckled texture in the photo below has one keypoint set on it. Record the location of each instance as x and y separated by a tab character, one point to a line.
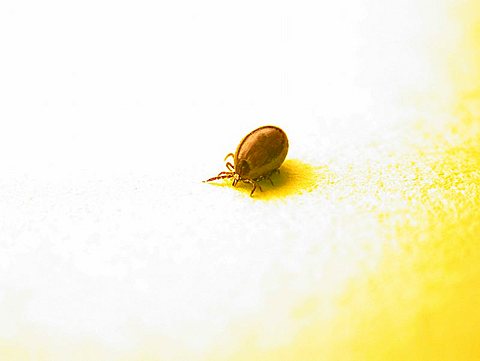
421	299
367	246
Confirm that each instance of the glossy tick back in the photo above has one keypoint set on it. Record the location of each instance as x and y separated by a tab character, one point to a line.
259	155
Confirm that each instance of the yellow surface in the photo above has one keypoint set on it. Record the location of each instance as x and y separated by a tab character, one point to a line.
366	248
421	299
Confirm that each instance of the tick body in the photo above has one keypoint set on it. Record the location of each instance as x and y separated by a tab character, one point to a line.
259	154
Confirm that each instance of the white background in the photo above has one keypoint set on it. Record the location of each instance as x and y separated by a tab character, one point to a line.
112	112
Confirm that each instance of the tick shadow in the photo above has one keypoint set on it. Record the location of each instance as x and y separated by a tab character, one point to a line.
295	178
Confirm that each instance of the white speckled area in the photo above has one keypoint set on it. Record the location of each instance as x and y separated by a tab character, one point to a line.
112	114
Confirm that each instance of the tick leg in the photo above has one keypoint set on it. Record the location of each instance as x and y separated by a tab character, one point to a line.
253	189
230	166
254	184
276	171
225	175
269	177
229	155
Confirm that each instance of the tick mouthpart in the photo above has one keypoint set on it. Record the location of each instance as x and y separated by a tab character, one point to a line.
236	178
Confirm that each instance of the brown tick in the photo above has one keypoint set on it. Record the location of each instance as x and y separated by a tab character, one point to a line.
259	154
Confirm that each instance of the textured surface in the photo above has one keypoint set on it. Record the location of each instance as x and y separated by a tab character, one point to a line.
366	248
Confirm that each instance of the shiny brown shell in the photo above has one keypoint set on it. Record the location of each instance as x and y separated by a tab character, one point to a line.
261	152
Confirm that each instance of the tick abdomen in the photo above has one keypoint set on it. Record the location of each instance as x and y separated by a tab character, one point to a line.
261	152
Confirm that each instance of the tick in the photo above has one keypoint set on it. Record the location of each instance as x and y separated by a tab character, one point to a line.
259	155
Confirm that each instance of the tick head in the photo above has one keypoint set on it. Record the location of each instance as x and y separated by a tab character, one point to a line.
242	168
